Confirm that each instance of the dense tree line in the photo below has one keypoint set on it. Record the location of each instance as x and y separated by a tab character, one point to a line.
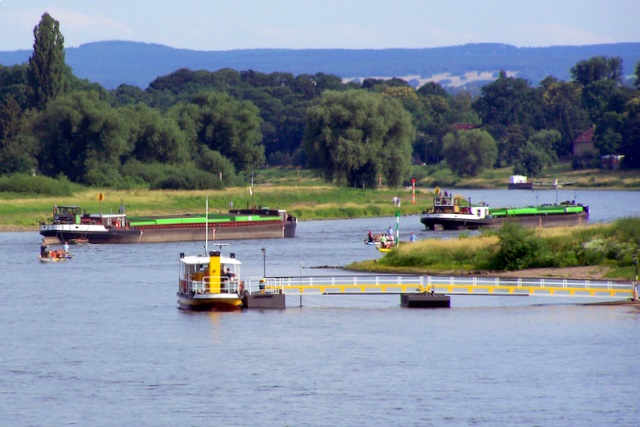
202	129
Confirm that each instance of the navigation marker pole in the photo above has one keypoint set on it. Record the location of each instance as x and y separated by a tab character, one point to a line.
413	191
635	282
206	227
397	228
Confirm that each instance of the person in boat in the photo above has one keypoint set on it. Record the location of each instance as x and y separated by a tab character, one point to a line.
413	237
65	248
44	250
370	237
390	241
228	274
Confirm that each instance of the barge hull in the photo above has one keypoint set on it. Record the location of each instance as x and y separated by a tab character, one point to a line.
227	231
216	232
53	236
432	223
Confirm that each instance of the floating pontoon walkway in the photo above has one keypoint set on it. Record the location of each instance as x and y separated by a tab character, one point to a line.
452	285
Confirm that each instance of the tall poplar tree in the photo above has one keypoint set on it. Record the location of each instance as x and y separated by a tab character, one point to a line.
47	70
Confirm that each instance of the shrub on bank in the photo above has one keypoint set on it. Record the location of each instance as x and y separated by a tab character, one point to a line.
40	185
172	177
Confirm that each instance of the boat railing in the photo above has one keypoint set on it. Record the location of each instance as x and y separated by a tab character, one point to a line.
204	286
197	286
230	286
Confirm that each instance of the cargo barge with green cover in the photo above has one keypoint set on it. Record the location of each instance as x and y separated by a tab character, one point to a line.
70	223
448	213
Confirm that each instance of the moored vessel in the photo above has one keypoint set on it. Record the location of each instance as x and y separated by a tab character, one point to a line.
71	223
210	282
448	213
520	182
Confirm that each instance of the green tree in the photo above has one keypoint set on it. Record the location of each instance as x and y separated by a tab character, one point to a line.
603	96
531	162
127	94
13	82
289	132
511	144
517	248
47	71
563	111
546	141
538	153
355	136
17	147
10	118
155	137
608	133
223	124
630	145
215	163
431	117
432	88
469	152
598	68
83	138
509	101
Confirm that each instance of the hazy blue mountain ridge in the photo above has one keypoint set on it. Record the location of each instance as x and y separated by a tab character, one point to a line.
112	63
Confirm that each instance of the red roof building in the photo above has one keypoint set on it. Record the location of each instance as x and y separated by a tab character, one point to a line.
584	143
463	126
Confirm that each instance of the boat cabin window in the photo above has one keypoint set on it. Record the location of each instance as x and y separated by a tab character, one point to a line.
68	210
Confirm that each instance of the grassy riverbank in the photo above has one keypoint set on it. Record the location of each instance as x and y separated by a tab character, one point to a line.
513	248
297	191
311	202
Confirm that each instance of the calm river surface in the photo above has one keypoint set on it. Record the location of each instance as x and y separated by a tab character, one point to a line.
99	341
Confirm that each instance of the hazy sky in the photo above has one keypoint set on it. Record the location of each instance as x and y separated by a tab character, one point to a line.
302	24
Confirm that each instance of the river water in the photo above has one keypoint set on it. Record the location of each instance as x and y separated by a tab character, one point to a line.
99	341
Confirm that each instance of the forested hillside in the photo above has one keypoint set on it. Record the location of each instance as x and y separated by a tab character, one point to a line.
116	62
209	129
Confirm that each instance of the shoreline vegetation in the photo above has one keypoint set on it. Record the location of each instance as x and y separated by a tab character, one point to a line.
309	198
597	251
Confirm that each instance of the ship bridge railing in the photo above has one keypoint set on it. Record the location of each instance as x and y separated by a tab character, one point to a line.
452	285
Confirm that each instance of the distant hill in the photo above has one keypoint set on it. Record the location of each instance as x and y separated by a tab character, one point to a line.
116	62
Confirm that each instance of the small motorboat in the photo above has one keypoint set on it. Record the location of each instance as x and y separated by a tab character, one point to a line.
58	255
54	256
